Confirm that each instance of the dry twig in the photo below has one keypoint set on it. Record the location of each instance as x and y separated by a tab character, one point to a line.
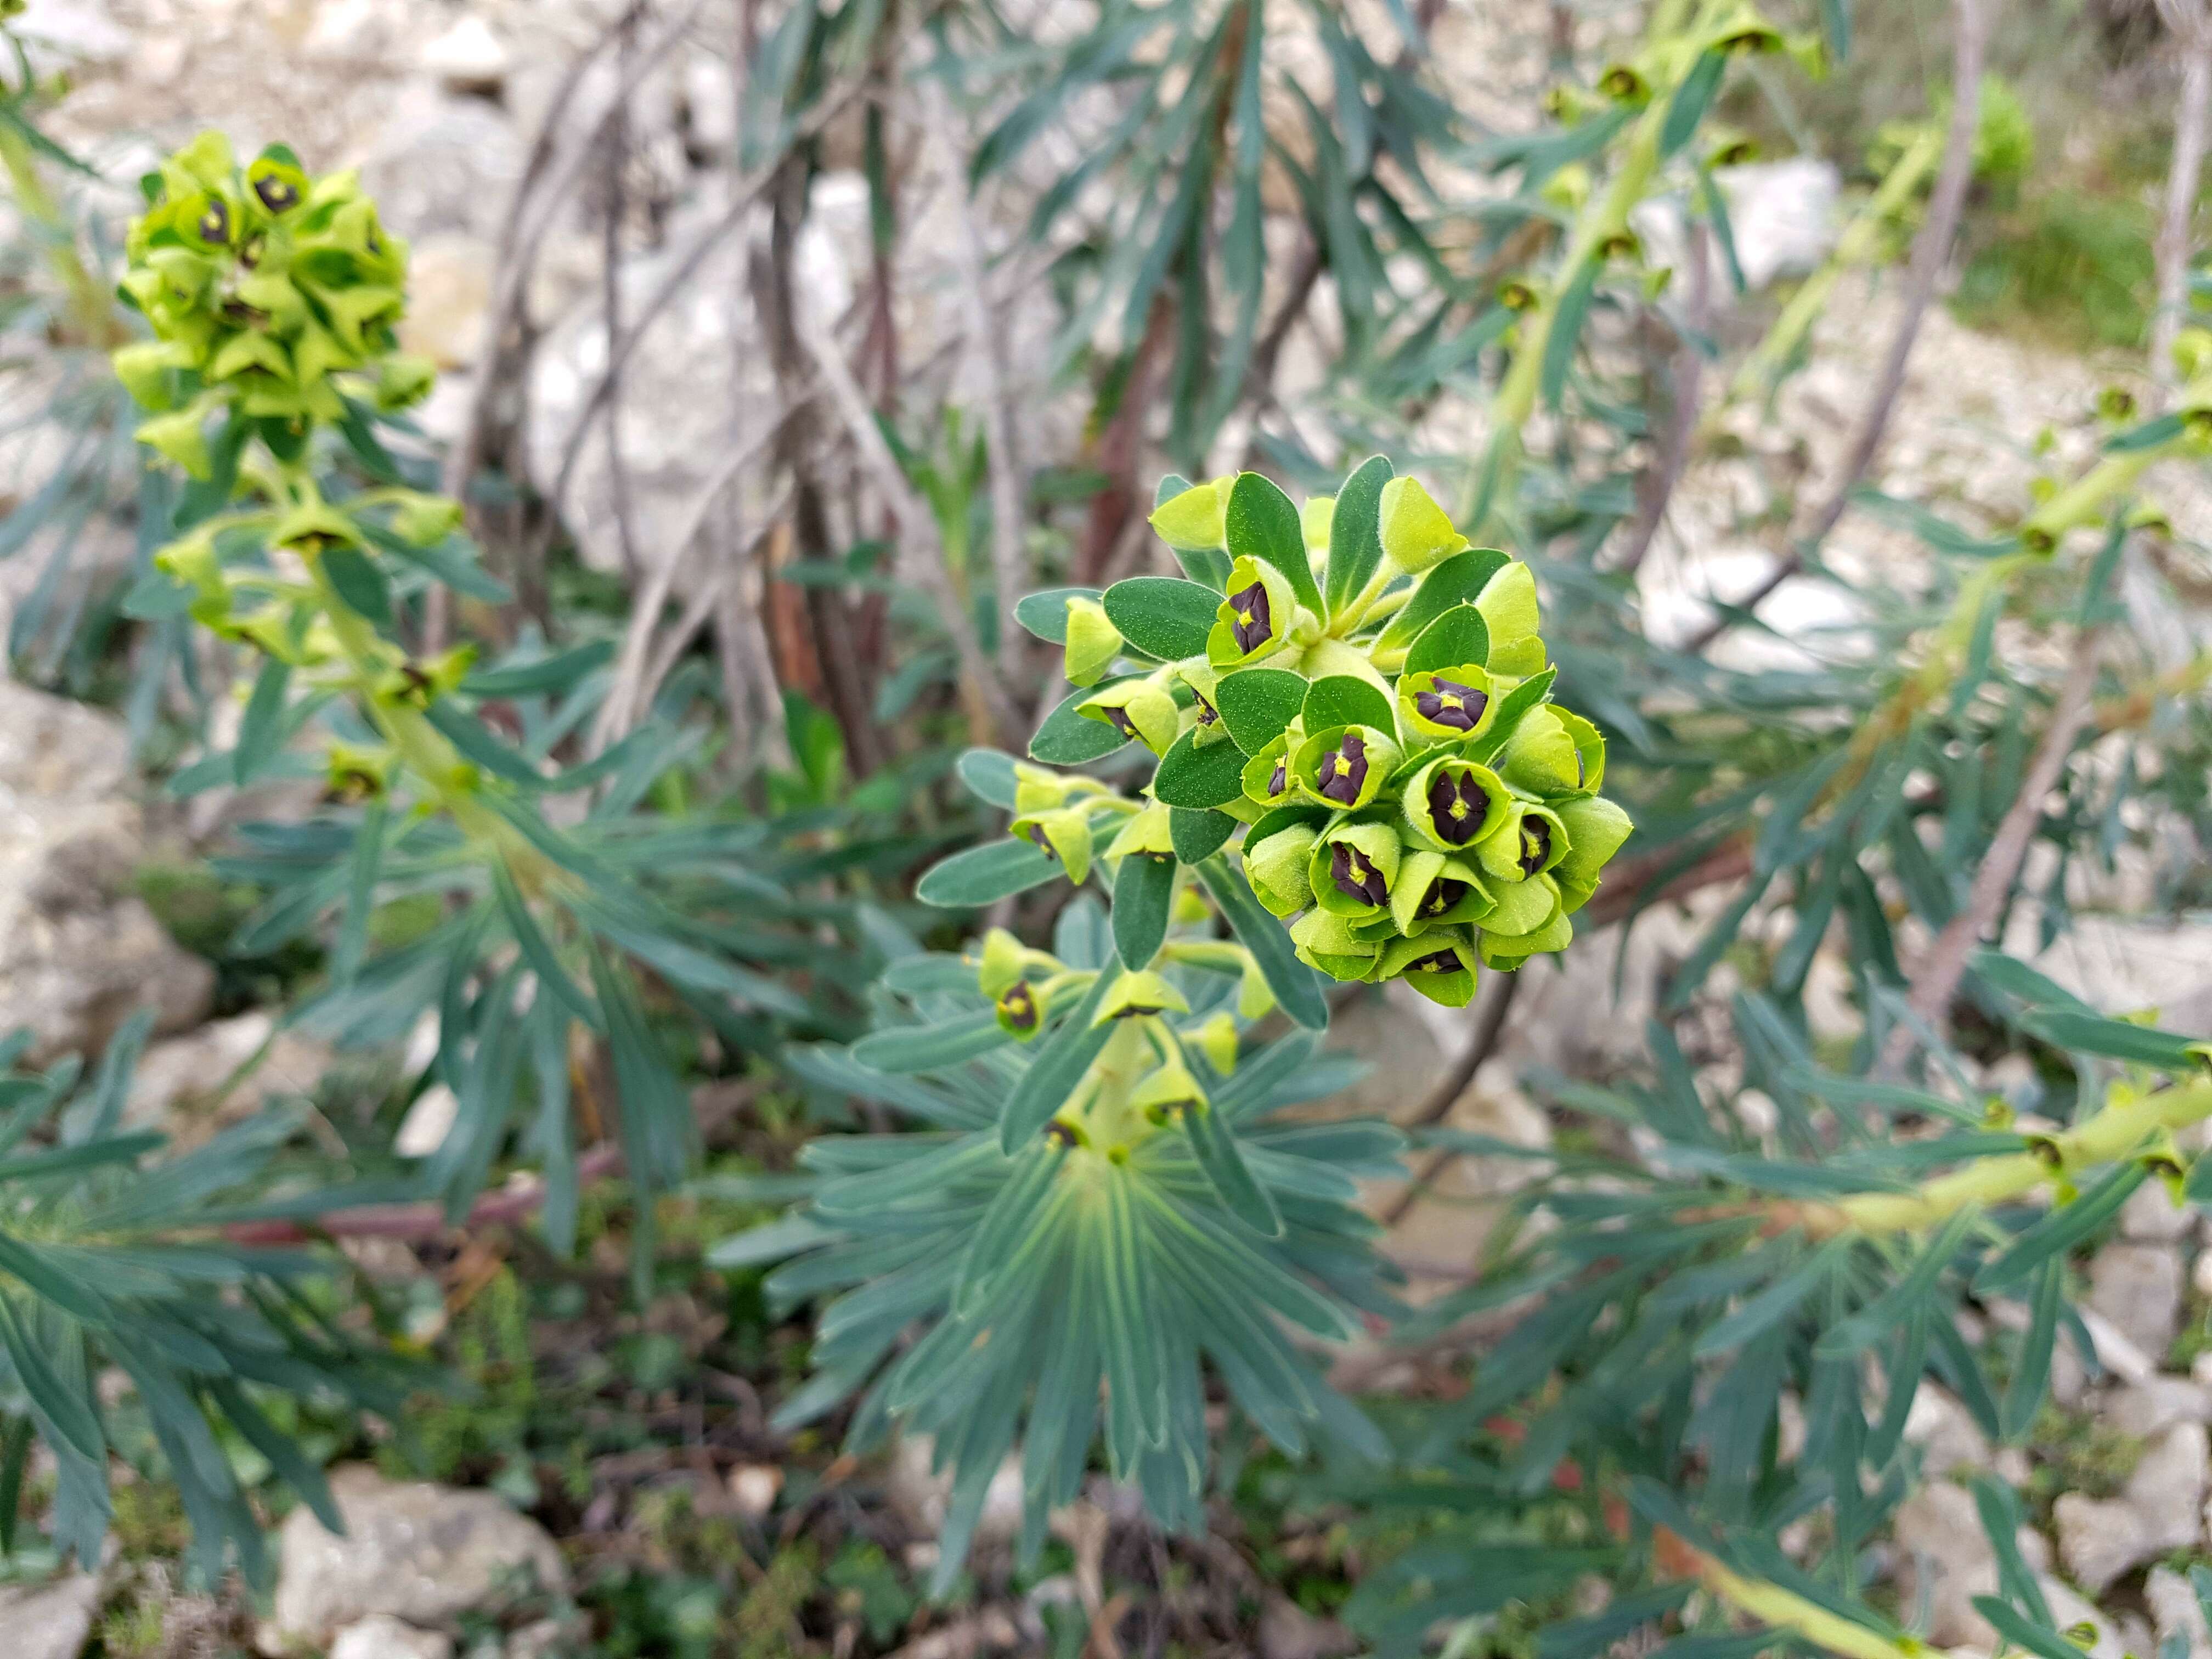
1931	249
1936	979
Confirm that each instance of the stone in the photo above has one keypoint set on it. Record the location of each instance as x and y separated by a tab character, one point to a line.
2151	1217
2175	1611
430	1120
185	1076
2157	1404
2160	1509
1943	1561
448	293
2069	1608
1946	1434
419	1553
753	1488
380	1635
79	951
442	163
468	58
49	1621
2138	1288
921	1493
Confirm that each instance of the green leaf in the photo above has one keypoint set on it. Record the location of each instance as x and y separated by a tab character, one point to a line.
2141	1044
1192	776
2021	1632
901	1049
1455	580
1056	1067
1458	636
360	582
366	865
989	775
1347	699
1144	899
981	875
1512	708
476	742
1162	616
1690	101
1355	539
558	672
2061	1229
1560	340
2024	1392
1067	739
1296	985
538	949
261	732
1044	613
1262	523
1198	833
1258	704
1215	1147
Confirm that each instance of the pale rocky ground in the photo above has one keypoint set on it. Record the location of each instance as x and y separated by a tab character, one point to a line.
435	100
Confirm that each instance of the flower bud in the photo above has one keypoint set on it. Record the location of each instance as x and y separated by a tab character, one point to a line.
1352	866
1093	641
1063	834
1541	758
1416	533
1170	1088
1520	909
149	370
1215	1037
1275	870
426	521
1509	951
1441	965
1508	605
1004	957
1346	765
403	381
1434	890
1148	833
1195	520
180	437
1254	621
1595	829
1450	805
1326	942
1141	993
1447	705
1137	708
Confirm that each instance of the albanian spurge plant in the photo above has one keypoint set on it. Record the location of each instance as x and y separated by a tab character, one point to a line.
1364	700
271	295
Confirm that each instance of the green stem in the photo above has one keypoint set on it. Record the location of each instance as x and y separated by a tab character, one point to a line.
1783	1609
2113	1132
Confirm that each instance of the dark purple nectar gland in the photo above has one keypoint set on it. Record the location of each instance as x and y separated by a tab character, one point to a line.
1120	720
1343	771
1445	895
1208	715
215	222
1019	1007
1035	834
1437	962
1280	780
1535	845
1449	703
1458	807
276	194
1062	1135
1355	877
1252	617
